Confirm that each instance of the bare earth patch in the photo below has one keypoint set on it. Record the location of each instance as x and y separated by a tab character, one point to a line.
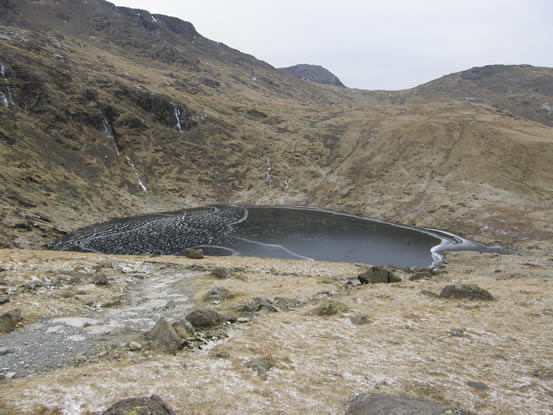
489	356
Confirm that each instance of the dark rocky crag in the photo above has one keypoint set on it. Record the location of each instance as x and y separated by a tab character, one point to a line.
313	73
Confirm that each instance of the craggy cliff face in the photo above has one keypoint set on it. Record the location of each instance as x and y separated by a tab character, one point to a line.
108	112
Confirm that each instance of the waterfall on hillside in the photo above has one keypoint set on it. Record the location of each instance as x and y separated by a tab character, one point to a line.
133	167
109	134
268	172
287	183
6	100
178	117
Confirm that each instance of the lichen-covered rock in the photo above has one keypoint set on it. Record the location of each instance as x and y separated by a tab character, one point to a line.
330	308
164	335
466	291
380	404
194	253
203	318
153	405
376	275
9	320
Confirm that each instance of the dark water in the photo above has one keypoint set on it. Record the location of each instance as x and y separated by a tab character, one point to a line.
272	232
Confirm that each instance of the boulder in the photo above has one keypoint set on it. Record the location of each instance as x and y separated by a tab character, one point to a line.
165	336
194	253
359	320
135	346
153	405
376	275
466	291
258	305
380	404
203	318
221	273
100	279
330	308
429	294
9	320
4	299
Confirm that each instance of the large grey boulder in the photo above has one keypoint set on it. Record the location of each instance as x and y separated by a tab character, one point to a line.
153	405
165	336
376	275
380	404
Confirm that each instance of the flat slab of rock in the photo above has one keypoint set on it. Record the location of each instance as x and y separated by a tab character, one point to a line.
379	404
153	405
376	275
466	291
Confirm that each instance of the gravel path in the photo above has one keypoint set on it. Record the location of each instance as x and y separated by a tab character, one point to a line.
57	343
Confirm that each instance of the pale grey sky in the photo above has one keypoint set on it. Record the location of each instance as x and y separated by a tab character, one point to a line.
375	44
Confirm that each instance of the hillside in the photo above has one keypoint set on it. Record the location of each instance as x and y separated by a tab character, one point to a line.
113	112
522	91
313	73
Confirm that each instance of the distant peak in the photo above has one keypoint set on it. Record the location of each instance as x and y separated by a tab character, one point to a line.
313	73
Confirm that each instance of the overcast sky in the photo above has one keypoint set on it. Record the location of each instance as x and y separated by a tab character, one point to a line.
375	44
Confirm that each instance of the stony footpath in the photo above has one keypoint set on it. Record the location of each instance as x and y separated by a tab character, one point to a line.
53	343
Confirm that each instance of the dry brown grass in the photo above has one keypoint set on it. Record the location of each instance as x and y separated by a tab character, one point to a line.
407	347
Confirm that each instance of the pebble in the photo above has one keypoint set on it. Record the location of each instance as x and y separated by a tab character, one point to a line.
242	319
4	351
135	346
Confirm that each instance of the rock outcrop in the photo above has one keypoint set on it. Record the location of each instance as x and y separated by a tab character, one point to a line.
153	405
313	73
